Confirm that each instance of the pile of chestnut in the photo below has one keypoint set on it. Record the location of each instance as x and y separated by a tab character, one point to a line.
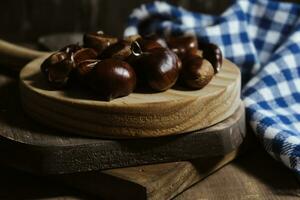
115	67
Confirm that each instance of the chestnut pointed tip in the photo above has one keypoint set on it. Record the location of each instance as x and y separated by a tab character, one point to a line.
136	49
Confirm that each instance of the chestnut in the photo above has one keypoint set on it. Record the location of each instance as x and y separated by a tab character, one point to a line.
84	70
158	39
57	69
147	44
196	72
98	41
112	78
120	50
71	48
158	67
132	38
213	54
182	45
84	54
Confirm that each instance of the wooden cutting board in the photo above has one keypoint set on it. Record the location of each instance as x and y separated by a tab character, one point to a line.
23	144
29	146
174	111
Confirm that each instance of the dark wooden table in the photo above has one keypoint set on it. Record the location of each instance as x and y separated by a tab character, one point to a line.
254	175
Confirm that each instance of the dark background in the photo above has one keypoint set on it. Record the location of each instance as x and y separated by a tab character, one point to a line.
26	20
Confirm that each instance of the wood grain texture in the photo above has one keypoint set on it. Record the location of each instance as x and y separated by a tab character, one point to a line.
30	146
25	144
252	176
37	150
174	111
152	182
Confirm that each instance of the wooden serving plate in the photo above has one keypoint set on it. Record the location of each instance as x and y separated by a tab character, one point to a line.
28	146
174	111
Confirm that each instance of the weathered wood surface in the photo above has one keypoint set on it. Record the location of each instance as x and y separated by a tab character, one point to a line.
255	176
152	182
140	114
32	147
161	181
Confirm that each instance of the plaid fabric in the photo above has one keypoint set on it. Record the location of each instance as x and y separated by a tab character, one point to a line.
263	38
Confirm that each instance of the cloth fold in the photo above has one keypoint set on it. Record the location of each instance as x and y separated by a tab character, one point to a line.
263	38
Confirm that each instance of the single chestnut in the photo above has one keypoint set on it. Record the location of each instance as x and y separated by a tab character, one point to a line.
196	72
57	69
112	78
120	50
158	67
98	41
213	54
84	54
84	70
181	45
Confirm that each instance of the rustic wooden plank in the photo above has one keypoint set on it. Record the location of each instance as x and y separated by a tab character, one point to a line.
32	147
254	175
152	182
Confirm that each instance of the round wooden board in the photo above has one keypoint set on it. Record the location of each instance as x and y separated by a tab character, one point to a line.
174	111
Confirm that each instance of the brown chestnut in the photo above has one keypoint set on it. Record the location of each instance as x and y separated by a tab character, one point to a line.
84	70
213	54
120	50
98	41
112	78
57	68
158	67
71	48
132	38
158	39
196	72
181	45
84	54
147	44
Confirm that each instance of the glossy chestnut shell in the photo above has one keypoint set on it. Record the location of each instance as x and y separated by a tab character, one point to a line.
98	41
112	78
157	39
120	50
84	70
57	69
84	54
213	54
158	67
71	48
196	72
182	45
148	44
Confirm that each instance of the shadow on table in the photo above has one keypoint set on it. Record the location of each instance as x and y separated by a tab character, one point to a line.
259	165
15	185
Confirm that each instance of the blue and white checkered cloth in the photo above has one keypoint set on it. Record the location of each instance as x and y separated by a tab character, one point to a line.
263	38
